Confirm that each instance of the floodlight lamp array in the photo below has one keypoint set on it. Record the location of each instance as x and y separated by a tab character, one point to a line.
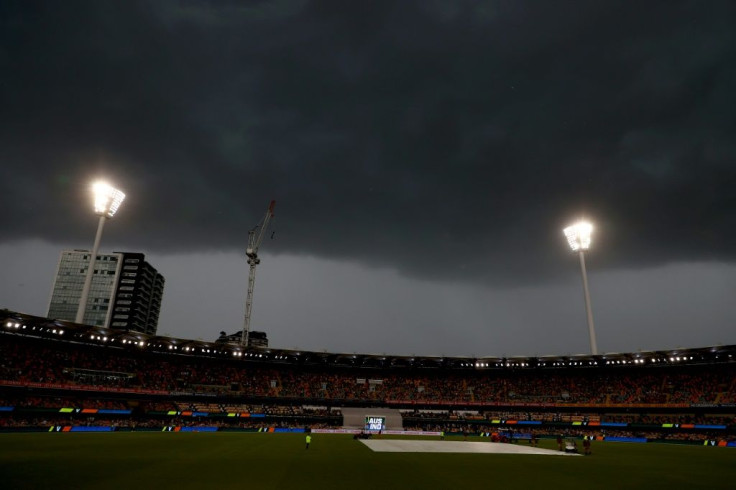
107	199
578	236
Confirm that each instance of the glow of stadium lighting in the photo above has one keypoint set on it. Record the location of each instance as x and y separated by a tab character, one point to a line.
107	200
578	237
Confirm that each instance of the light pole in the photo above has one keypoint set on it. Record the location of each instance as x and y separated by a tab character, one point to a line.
578	236
107	202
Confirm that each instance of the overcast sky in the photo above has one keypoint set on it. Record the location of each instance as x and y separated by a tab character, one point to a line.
424	156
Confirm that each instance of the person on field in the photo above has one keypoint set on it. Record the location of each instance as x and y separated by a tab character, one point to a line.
309	440
586	445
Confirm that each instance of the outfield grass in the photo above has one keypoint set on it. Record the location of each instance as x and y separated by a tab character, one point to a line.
279	461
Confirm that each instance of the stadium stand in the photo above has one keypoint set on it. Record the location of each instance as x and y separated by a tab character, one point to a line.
56	374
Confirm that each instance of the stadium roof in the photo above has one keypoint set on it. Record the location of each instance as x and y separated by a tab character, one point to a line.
15	323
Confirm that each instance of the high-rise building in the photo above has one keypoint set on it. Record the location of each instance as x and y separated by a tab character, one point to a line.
125	294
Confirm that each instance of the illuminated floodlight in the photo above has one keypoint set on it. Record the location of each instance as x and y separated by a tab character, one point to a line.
107	199
578	235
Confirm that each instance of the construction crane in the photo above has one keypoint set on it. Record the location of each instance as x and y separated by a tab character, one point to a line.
255	237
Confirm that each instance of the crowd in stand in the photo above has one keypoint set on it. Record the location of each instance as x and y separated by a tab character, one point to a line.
295	397
109	368
583	417
414	416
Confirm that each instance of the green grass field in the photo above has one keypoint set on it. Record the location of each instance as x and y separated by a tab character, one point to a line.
279	461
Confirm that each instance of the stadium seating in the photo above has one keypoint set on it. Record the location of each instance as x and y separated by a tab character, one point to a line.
56	381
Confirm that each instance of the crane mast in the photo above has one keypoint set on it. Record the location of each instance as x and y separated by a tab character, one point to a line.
255	237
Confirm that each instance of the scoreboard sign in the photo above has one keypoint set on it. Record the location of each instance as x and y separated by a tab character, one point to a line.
375	423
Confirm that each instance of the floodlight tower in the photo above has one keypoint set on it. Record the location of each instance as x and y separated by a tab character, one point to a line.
578	236
107	201
255	237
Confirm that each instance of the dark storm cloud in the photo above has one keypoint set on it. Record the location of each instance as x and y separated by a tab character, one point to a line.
444	139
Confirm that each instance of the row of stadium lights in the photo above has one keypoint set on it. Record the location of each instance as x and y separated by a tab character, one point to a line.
18	326
104	338
559	363
498	364
203	350
248	354
234	353
635	361
526	364
141	343
574	363
578	363
643	361
214	351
